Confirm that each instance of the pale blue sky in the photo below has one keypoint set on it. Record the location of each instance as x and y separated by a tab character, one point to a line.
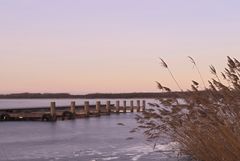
112	46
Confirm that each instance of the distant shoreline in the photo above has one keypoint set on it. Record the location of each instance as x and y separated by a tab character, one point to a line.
89	96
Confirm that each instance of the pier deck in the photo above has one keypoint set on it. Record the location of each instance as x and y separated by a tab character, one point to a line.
53	113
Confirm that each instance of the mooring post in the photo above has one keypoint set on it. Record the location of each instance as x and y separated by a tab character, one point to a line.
53	110
143	105
108	108
117	107
86	108
73	107
98	104
138	105
124	106
131	106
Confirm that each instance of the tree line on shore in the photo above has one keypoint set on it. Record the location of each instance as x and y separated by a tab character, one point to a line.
90	96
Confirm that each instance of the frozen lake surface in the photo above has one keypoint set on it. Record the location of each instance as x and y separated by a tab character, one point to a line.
97	138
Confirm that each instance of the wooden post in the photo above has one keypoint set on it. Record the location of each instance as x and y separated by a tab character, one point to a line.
131	106
138	105
143	105
98	104
53	110
124	106
73	107
86	108
117	107
108	108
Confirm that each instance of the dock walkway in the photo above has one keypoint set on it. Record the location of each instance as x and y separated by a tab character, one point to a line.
73	111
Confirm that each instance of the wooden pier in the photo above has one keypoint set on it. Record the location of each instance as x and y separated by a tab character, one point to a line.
73	111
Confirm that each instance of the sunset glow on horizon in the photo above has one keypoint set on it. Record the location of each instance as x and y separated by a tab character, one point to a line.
109	46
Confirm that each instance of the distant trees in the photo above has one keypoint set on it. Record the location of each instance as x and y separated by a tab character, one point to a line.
36	95
90	96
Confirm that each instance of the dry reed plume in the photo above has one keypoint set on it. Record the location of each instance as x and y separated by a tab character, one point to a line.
206	124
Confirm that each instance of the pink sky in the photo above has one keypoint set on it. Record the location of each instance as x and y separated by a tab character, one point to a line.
112	46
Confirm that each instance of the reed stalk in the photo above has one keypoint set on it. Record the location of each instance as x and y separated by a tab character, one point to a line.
206	124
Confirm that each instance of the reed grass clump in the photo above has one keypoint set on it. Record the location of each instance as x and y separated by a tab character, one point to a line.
205	123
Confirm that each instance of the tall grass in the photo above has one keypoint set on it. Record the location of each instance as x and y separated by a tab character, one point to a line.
206	124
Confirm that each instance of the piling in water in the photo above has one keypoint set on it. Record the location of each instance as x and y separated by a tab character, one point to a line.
131	106
143	105
108	108
124	106
138	106
73	107
117	107
53	111
86	108
98	104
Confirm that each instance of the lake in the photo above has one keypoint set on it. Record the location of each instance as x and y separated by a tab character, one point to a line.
87	139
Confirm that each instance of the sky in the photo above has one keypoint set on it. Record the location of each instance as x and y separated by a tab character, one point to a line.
110	46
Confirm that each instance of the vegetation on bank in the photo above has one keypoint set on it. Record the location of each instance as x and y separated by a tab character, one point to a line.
206	125
90	96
